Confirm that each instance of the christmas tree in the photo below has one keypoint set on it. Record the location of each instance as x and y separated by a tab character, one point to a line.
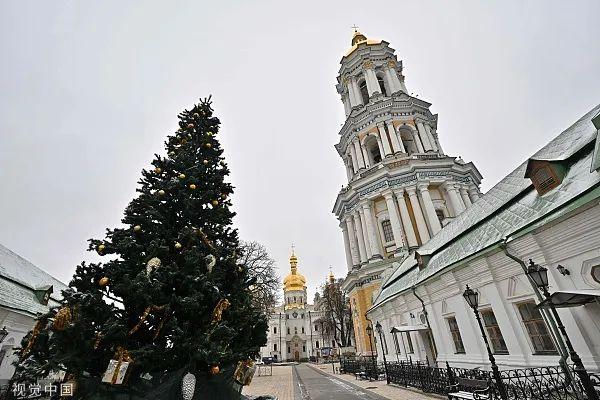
169	313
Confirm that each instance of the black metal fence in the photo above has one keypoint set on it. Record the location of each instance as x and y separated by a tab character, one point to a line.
546	383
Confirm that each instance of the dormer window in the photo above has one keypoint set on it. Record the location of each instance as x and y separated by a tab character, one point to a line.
43	294
545	175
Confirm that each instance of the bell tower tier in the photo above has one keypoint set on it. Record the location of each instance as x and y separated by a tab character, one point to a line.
402	188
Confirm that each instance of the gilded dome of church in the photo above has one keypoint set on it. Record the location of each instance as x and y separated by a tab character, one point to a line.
359	38
294	280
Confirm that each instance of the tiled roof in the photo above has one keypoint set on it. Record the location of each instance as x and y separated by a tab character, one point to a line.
500	212
19	278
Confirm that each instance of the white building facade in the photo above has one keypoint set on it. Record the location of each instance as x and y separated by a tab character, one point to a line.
25	292
402	188
546	211
297	331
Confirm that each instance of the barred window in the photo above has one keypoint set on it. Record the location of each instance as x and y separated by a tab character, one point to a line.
388	235
493	332
456	338
536	328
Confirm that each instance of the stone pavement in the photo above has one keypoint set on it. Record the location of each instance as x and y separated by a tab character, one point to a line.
380	388
280	384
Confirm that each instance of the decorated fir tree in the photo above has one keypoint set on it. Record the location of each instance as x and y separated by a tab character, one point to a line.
169	312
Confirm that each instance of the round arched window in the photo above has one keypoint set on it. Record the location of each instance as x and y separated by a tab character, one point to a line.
595	271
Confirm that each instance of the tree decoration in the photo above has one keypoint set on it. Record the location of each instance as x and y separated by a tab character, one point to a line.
137	228
103	281
152	265
215	203
192	186
118	366
210	261
161	193
97	340
205	162
101	249
208	145
39	325
205	240
178	246
196	115
181	176
244	372
222	305
144	317
223	196
190	125
188	386
62	319
157	170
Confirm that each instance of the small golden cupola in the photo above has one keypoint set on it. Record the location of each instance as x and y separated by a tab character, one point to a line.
330	277
294	280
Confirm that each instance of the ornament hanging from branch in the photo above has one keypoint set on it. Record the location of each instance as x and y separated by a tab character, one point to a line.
62	319
153	264
244	372
210	261
117	369
222	305
188	386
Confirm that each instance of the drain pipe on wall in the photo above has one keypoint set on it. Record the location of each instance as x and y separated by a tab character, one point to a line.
562	350
429	331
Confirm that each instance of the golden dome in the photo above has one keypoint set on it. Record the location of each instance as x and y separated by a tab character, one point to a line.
330	276
294	280
359	38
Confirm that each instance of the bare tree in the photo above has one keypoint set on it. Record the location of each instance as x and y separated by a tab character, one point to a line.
336	305
261	267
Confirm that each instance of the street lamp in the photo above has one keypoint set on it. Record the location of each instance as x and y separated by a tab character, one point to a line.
370	332
3	334
380	332
539	275
472	298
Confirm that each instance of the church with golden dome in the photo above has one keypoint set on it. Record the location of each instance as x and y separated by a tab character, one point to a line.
297	329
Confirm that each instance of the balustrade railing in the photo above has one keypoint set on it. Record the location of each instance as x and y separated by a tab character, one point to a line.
545	383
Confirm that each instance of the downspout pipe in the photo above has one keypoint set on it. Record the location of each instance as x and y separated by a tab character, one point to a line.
429	331
558	340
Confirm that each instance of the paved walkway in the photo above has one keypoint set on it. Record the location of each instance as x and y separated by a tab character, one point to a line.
318	382
377	388
280	384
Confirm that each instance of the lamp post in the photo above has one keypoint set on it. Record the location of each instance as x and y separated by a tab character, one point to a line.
539	275
369	333
3	334
380	332
472	298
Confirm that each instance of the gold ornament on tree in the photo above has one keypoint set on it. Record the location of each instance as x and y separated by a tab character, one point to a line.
181	176
103	281
157	170
215	203
137	228
196	115
144	317
192	186
62	319
222	305
244	372
178	246
210	261
205	162
39	325
205	240
101	249
208	145
161	192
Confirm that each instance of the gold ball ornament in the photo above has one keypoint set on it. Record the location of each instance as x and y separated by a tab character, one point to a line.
223	163
190	125
215	203
214	370
193	187
103	281
223	196
181	176
196	115
204	162
161	192
210	133
101	249
137	228
157	170
178	246
208	145
171	153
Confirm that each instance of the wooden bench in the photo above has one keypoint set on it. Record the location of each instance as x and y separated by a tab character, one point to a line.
470	389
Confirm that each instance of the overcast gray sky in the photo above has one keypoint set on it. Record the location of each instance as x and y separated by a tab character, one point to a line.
89	90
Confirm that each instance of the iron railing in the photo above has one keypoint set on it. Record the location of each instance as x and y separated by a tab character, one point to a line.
545	383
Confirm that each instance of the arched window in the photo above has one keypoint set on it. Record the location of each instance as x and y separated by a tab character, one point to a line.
302	329
388	234
317	344
294	299
408	141
373	149
384	90
364	92
296	330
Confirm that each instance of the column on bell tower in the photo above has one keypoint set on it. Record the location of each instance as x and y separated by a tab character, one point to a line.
371	78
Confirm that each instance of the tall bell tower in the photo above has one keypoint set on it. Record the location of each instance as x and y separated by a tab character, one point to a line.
402	188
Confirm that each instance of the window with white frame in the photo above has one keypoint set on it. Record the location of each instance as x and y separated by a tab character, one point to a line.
388	234
536	328
493	332
459	347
